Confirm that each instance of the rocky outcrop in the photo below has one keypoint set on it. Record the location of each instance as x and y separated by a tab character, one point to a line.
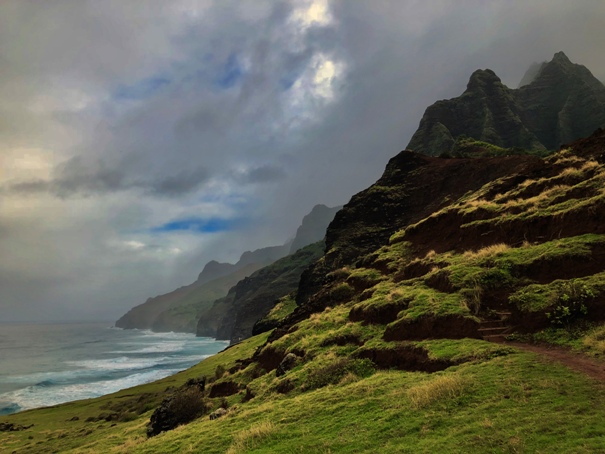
562	102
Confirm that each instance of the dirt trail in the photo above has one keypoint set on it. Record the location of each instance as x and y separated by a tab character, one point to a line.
577	361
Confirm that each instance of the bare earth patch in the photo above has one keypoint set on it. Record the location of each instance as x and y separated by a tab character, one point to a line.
594	368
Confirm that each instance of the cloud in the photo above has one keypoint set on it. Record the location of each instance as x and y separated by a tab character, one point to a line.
75	178
262	174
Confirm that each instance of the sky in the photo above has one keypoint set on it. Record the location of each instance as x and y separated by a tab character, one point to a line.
141	139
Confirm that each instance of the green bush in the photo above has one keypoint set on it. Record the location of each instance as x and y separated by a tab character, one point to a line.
570	304
342	292
333	372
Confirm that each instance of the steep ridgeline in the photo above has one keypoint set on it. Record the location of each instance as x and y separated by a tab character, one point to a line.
181	309
313	227
178	310
253	297
558	102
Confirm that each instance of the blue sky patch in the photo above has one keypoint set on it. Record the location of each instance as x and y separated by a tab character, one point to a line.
142	89
199	225
230	75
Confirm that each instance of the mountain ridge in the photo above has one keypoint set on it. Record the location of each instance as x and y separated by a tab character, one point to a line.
181	309
562	102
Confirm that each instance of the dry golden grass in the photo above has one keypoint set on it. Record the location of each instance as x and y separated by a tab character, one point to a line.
251	437
438	389
571	172
430	254
545	196
487	251
396	294
129	444
588	165
565	156
481	203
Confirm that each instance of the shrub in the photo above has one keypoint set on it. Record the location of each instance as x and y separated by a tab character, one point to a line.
569	305
333	372
342	292
182	407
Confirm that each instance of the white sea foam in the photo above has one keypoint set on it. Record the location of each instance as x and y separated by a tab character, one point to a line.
39	396
86	362
164	347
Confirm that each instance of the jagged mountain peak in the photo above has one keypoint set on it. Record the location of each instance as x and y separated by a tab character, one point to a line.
561	58
558	102
481	79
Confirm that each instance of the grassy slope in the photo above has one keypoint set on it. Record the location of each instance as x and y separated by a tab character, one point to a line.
498	400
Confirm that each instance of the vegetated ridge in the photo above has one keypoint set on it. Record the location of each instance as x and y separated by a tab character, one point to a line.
253	297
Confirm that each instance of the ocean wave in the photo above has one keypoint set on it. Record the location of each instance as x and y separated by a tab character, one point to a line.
130	363
165	347
43	395
90	370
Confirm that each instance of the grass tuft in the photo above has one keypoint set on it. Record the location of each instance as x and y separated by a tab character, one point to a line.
251	437
437	389
487	251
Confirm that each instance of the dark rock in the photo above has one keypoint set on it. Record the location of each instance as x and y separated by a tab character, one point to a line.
558	102
200	383
224	388
289	361
403	357
183	406
218	413
433	327
11	427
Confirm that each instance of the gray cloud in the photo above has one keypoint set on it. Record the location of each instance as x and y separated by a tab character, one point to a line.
262	174
119	116
74	178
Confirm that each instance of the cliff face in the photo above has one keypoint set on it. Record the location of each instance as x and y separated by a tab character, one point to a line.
412	187
563	102
254	296
430	229
313	227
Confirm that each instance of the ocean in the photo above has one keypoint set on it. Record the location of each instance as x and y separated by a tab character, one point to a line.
48	364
